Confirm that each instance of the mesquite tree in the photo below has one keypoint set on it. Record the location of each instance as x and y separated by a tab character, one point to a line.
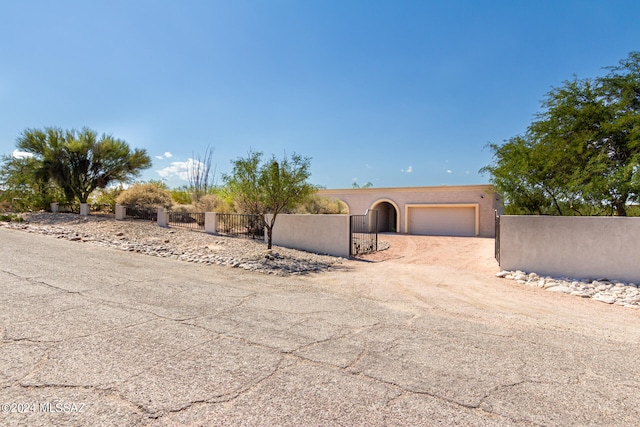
581	156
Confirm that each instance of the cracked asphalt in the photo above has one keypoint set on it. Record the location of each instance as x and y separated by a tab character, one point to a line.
131	340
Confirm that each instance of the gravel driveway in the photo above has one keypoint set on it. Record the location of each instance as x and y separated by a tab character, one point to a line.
412	336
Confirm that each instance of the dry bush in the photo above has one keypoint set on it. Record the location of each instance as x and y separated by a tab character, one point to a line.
145	196
321	205
211	203
184	209
5	206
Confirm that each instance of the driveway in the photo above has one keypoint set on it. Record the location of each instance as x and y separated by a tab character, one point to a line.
422	334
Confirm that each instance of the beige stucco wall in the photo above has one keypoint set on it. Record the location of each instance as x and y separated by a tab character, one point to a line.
582	247
360	199
322	234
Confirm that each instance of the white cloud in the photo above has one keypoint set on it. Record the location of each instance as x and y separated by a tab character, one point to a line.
166	155
449	171
21	154
407	170
179	169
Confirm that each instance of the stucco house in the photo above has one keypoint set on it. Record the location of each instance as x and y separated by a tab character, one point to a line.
466	210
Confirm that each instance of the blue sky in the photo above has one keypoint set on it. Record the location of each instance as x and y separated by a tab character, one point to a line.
396	93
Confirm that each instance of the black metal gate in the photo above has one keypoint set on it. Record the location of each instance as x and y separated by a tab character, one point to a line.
363	232
497	238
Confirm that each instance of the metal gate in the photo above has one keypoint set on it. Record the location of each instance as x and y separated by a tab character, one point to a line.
497	238
363	232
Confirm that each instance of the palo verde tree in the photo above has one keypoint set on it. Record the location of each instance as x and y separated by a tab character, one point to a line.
81	161
269	187
581	156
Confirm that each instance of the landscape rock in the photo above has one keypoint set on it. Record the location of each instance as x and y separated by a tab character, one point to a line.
619	293
186	245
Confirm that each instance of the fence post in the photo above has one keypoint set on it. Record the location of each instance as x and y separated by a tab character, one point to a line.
163	220
84	209
121	212
210	223
54	207
497	237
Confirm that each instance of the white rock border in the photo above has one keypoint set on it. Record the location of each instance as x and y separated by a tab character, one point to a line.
177	243
603	290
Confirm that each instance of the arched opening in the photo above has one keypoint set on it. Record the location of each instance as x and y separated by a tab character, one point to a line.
343	206
387	216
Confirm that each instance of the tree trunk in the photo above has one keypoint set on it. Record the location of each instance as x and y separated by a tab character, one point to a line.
270	228
621	209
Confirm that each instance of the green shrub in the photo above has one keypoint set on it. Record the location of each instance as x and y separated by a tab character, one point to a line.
105	199
182	195
11	217
26	200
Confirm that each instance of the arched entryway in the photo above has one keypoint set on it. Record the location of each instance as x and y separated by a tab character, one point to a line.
388	219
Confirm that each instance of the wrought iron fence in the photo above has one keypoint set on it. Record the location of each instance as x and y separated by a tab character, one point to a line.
134	212
363	230
191	220
240	225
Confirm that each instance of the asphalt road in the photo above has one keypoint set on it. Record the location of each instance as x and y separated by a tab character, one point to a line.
92	336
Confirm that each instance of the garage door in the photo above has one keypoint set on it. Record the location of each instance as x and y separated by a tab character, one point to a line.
443	220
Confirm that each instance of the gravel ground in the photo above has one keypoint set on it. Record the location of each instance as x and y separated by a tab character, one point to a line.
186	245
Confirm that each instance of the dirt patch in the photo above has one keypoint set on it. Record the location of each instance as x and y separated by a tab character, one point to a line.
456	277
466	253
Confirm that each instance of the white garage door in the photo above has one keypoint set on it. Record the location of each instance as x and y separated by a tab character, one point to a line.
443	221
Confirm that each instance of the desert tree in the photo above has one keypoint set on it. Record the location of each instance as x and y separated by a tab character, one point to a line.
581	154
81	161
269	187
